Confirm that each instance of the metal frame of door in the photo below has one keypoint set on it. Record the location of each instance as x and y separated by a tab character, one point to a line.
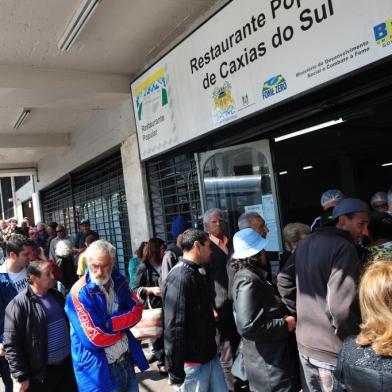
262	146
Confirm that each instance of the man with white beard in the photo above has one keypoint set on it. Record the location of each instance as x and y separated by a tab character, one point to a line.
101	309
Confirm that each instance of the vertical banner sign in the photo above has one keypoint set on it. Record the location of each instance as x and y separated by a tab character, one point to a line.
251	55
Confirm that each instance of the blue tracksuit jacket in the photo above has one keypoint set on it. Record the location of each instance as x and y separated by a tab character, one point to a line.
92	330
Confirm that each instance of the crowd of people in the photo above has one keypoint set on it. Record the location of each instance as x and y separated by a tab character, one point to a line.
229	322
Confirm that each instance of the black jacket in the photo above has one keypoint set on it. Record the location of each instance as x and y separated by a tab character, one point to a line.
218	275
25	335
287	286
69	277
360	369
147	276
327	272
170	259
189	327
268	357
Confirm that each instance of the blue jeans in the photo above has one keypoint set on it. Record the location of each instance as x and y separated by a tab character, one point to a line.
316	376
123	374
204	378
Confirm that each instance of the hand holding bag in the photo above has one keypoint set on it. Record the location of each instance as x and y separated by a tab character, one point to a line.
150	325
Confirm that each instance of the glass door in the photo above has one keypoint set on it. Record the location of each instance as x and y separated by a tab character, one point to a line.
240	179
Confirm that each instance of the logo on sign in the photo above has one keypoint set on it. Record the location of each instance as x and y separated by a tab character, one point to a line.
224	103
383	33
152	92
274	86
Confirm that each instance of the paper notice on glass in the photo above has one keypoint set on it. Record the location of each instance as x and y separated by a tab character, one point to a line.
269	216
258	208
267	211
268	207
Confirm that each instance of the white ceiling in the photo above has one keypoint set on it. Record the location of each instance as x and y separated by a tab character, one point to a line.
63	89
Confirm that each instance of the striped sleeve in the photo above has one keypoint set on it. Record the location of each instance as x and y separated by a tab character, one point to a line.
129	317
85	321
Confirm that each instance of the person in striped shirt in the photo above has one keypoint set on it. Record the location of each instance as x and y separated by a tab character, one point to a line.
36	335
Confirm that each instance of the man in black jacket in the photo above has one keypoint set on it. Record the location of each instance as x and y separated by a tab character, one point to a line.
189	327
36	335
327	273
221	250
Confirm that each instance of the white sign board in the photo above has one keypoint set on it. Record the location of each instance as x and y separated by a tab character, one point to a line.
251	55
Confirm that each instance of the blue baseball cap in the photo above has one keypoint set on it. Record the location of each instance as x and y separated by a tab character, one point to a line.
247	242
349	206
179	225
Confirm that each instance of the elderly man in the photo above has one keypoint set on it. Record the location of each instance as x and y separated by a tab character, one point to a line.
36	335
101	309
256	222
61	235
221	250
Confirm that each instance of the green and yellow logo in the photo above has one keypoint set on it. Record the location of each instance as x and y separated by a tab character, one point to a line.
154	84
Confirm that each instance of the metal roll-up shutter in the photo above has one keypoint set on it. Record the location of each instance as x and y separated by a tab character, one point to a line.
57	205
96	192
174	190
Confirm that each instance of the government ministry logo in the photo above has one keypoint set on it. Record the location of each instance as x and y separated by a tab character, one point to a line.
383	33
275	85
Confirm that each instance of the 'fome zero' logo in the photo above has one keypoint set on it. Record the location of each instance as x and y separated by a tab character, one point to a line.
383	33
274	86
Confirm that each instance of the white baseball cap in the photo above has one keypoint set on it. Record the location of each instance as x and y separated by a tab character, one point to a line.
247	242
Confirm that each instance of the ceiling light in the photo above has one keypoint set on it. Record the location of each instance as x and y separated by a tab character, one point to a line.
387	164
22	117
282	173
308	130
77	23
307	167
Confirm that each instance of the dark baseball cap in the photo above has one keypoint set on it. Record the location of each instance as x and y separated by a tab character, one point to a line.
349	206
85	221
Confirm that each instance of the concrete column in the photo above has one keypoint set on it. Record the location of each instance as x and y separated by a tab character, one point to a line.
14	202
1	201
137	192
36	202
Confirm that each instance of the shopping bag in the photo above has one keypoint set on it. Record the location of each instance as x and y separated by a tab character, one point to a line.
150	325
238	368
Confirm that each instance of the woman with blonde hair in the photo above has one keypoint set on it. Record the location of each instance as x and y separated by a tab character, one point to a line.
365	361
